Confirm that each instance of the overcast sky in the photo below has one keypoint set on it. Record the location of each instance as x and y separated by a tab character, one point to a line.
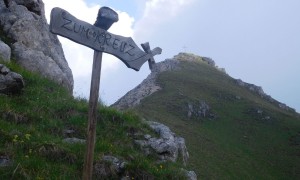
257	41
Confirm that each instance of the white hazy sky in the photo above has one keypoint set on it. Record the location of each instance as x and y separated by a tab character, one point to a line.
257	41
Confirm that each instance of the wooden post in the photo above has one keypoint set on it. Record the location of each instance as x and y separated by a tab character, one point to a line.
106	17
92	116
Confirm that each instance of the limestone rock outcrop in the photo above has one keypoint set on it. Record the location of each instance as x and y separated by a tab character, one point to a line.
33	46
117	167
199	109
190	175
168	146
259	91
147	87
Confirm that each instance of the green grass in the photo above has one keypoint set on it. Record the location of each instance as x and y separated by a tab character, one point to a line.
32	126
239	143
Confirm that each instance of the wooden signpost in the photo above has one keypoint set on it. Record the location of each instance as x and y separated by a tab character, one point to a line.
96	37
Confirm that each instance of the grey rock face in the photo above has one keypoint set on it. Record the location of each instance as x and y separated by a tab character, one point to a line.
259	91
118	164
147	87
187	57
195	58
109	167
200	109
10	82
284	106
256	89
209	61
35	6
167	147
5	52
33	46
190	175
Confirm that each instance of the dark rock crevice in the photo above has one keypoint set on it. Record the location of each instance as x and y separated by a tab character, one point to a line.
147	87
35	6
6	2
10	82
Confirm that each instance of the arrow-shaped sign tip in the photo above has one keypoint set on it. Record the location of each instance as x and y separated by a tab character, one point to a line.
152	53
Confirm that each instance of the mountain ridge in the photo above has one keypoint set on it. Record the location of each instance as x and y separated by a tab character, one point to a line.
232	129
149	85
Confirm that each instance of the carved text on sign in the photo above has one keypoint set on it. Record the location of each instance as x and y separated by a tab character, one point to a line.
66	25
102	37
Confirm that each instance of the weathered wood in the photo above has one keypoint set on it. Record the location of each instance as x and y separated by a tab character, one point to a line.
92	116
155	51
106	17
66	25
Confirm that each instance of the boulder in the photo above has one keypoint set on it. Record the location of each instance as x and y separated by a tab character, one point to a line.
190	175
23	22
167	146
109	167
5	161
199	109
10	82
118	165
5	52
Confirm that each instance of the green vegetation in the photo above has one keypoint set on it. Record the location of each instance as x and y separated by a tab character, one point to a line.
239	143
34	123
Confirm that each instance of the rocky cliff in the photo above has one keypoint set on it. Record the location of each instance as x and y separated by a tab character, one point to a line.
23	27
149	85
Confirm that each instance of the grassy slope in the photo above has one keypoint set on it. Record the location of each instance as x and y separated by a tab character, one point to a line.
238	144
32	127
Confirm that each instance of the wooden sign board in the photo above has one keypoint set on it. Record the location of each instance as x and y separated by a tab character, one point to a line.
66	25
